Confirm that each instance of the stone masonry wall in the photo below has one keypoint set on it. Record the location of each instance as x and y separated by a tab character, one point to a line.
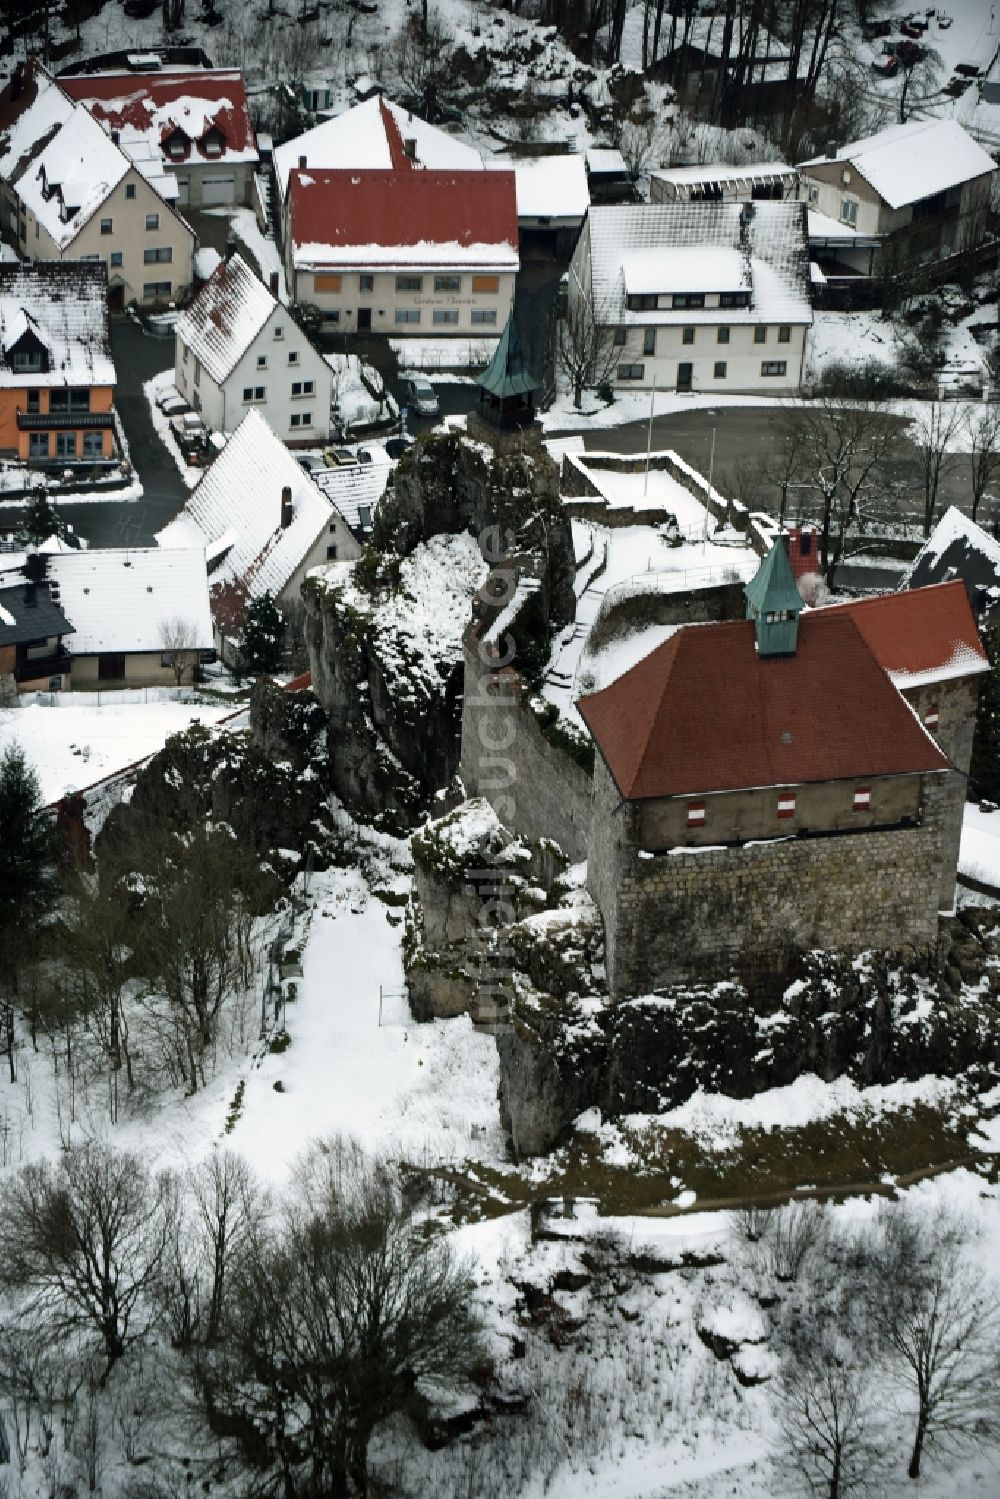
535	786
956	704
699	915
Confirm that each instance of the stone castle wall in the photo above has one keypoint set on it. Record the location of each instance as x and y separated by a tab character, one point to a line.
536	786
685	915
956	704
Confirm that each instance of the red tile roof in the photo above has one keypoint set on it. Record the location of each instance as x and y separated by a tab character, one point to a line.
341	209
142	100
705	713
924	634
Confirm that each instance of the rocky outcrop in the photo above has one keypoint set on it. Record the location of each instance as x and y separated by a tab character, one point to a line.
868	1019
385	638
223	778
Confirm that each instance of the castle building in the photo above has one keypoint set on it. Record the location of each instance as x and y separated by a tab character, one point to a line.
790	781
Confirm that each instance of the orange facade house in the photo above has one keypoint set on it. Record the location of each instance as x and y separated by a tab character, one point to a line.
57	377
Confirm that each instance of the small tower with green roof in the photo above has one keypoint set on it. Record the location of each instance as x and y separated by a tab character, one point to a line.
774	603
505	412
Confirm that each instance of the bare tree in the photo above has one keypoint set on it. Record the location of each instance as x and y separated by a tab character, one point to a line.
178	642
228	1201
825	1398
848	444
421	61
921	76
341	1304
933	434
984	453
81	1244
788	460
644	142
95	972
938	1318
585	346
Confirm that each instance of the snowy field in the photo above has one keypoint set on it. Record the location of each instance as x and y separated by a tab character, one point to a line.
75	744
980	851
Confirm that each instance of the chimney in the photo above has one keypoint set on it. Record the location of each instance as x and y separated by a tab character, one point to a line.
115	137
286	507
302	163
410	148
274	282
230	249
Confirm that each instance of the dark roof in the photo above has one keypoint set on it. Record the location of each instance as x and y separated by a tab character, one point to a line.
920	635
31	621
163	100
704	712
958	548
507	373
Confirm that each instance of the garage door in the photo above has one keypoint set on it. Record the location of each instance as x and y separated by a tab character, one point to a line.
218	189
182	192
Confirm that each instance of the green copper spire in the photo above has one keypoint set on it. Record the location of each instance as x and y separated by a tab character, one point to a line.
774	603
507	375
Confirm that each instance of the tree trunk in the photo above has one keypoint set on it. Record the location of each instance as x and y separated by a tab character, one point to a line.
913	1471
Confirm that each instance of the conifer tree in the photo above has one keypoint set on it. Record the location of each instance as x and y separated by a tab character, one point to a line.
28	880
263	635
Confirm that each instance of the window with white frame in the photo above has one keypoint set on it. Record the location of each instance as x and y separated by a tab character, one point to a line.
301	419
279	331
152	221
407	315
262	361
720	369
775	367
156	291
293	356
409	283
162	255
303	388
849	211
484	318
254	393
631	371
445	316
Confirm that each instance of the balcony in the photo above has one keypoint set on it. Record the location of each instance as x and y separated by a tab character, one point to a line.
62	421
37	667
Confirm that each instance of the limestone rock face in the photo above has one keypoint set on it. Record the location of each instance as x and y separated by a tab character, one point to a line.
199	776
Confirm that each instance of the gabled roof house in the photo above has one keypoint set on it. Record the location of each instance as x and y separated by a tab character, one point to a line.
70	191
260	520
795	780
195	121
57	376
237	346
701	296
920	189
404	246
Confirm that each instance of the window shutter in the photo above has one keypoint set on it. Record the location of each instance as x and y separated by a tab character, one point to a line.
696	814
786	804
932	718
862	798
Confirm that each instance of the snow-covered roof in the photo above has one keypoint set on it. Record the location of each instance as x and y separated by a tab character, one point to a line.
72	176
165	105
145	156
906	163
225	317
550	187
355	491
239	501
369	136
403	219
821	226
30	118
122	598
723	173
958	548
697	243
604	160
709	269
64	304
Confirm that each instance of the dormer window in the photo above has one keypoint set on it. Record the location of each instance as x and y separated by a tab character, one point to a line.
734	299
643	303
689	299
212	143
177	146
26	361
410	148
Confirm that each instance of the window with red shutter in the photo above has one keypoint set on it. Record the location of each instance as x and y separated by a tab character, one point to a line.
932	718
696	814
786	804
862	798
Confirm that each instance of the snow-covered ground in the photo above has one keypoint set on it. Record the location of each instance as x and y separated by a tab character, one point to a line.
435	354
854	339
76	743
980	851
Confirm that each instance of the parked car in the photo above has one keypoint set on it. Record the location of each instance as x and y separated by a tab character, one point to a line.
909	29
422	398
339	458
886	66
919	20
943	20
397	446
171	402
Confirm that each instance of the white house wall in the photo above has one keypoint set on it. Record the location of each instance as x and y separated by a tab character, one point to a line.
223	407
743	358
385	300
